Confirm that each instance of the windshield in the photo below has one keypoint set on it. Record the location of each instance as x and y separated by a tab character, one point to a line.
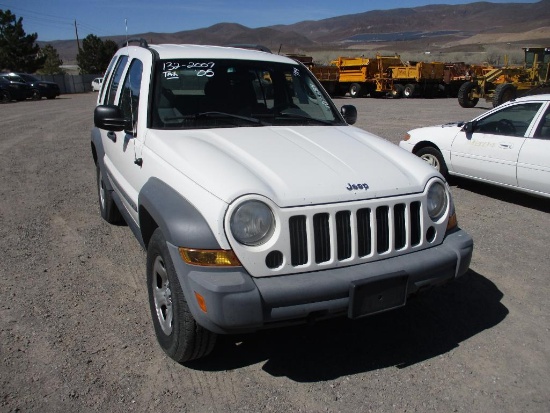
228	93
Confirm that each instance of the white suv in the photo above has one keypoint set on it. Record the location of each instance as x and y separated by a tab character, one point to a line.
257	202
96	84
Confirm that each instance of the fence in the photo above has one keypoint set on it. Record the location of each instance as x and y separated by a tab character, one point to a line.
72	83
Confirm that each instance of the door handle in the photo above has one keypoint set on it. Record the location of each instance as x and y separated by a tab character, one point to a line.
504	145
111	135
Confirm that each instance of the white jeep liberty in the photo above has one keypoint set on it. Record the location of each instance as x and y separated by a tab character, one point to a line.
256	201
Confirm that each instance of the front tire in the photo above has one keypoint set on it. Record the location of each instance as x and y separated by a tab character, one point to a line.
433	157
465	98
5	96
504	93
107	207
177	332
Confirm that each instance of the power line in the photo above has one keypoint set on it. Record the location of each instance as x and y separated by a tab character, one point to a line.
53	21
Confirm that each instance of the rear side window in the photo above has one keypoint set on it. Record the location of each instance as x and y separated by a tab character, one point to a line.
543	130
115	80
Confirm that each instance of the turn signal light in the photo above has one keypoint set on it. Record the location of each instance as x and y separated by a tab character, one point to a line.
453	221
201	302
209	258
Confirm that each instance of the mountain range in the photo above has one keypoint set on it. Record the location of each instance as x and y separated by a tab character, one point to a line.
467	27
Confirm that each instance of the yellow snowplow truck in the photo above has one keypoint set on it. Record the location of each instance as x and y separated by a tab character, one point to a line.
501	84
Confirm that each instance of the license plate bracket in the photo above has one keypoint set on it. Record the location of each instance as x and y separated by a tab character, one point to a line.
377	294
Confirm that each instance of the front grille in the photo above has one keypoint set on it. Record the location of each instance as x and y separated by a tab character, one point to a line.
344	235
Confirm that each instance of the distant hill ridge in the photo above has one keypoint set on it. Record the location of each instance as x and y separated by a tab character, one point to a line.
443	26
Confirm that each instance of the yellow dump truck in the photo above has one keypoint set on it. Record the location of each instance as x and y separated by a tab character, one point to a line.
361	76
417	79
381	75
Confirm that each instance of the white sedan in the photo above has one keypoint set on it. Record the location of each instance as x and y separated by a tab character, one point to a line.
96	84
507	146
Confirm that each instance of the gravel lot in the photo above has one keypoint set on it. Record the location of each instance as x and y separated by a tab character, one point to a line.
75	327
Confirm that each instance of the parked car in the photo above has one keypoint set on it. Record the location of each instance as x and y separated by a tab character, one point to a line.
19	89
261	207
96	84
46	88
506	146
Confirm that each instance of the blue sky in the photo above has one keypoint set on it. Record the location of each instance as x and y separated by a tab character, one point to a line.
55	19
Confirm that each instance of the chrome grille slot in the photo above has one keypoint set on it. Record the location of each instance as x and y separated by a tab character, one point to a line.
382	229
364	237
399	226
416	227
321	231
343	234
298	240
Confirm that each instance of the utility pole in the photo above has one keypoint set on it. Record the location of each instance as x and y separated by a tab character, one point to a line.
76	31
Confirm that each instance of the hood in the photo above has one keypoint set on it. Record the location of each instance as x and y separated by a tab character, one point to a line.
291	165
450	128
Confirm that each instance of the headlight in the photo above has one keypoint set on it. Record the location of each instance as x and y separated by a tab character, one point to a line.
252	223
437	201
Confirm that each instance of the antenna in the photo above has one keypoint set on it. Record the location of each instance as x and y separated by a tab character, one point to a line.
126	30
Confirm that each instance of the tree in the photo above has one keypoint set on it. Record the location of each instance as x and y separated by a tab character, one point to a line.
52	64
18	50
95	55
110	49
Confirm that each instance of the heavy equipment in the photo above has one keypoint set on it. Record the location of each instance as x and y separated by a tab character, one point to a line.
501	84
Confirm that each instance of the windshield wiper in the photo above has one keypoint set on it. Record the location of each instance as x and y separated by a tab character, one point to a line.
215	114
291	115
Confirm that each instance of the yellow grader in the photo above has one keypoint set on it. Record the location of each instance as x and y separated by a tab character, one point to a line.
501	84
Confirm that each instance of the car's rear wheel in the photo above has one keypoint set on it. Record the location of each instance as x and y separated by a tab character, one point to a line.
177	332
433	157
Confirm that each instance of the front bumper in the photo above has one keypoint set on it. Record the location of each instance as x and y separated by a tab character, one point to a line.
237	302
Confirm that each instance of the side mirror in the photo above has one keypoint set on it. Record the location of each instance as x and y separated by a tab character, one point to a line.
349	112
110	117
469	127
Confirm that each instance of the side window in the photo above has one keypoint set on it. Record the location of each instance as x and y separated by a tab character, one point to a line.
543	130
511	121
129	95
115	80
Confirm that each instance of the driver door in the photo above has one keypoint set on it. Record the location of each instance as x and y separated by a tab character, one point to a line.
123	149
490	152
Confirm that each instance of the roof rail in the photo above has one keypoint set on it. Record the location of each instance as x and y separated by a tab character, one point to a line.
142	42
250	46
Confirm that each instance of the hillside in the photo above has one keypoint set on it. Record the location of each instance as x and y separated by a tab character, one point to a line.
439	28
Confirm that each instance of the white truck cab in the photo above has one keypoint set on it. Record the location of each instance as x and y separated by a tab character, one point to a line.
256	201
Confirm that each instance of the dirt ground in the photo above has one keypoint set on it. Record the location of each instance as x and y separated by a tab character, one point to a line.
76	333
